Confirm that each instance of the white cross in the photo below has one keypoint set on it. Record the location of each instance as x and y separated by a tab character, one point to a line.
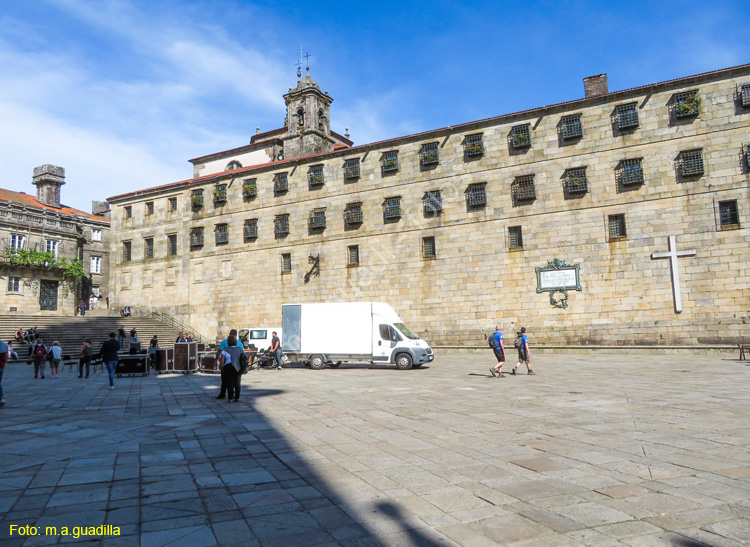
673	255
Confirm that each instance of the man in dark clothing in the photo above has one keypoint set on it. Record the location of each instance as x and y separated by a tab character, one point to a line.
108	353
229	361
122	336
276	349
181	338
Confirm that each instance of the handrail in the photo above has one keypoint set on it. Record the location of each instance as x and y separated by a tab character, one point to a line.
172	322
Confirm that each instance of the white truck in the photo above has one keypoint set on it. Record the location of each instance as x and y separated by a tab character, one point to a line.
353	332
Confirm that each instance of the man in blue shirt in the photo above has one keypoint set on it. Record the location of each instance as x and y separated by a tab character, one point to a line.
499	350
523	352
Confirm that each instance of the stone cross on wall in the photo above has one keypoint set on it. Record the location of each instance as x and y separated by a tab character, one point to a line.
673	254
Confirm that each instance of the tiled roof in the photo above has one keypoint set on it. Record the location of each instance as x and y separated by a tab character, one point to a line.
31	201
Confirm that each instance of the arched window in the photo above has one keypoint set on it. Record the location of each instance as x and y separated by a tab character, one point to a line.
300	118
233	165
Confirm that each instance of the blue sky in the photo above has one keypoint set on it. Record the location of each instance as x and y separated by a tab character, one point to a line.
122	94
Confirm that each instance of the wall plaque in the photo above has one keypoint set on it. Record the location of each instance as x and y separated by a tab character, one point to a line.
558	277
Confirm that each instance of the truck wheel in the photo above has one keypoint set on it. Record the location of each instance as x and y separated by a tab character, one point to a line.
334	365
317	362
403	361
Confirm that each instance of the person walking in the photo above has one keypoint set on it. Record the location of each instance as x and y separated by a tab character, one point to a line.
496	343
87	353
3	361
153	345
522	343
39	355
276	349
229	361
109	354
56	356
121	332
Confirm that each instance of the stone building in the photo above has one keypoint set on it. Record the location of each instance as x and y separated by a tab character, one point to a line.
617	218
43	224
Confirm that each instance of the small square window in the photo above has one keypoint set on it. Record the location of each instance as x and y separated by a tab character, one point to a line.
351	169
280	183
172	244
148	248
745	95
576	181
515	238
196	199
281	225
476	195
728	215
616	225
220	194
315	176
96	235
286	262
520	136
687	104
433	203
221	234
389	162
196	238
250	229
14	284
428	247
172	204
428	154
523	188
317	219
691	163
630	172
128	211
627	116
353	214
473	145
392	208
249	188
352	255
126	251
149	208
570	126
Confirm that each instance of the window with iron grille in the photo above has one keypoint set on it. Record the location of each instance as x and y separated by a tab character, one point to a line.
428	153
315	176
221	234
281	225
196	238
520	136
691	163
687	104
432	202
728	215
286	262
476	194
14	284
249	188
196	199
149	207
392	207
389	161
745	95
627	115
351	168
128	211
148	248
172	245
473	145
250	229
515	237
428	247
523	188
747	155
317	219
575	181
630	172
353	213
352	255
280	183
571	127
616	225
126	251
172	204
220	193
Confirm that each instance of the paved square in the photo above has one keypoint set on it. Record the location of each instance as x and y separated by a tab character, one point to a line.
596	449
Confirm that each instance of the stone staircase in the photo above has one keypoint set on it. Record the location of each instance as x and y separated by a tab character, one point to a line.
70	331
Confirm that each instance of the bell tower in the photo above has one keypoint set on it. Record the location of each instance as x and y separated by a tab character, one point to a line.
308	120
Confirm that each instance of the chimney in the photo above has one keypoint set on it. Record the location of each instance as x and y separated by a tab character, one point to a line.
596	86
48	179
257	130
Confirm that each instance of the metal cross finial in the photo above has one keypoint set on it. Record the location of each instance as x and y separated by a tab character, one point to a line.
307	58
673	255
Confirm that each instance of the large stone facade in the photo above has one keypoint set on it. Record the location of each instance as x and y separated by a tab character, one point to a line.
668	159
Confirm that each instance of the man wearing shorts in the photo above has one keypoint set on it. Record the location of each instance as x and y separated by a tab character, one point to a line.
499	351
523	352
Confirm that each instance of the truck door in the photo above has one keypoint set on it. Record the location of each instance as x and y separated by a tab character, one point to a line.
385	339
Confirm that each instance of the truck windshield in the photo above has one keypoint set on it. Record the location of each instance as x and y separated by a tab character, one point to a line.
258	334
406	331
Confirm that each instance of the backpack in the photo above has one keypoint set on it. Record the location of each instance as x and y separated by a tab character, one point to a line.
492	341
519	342
244	362
89	351
40	351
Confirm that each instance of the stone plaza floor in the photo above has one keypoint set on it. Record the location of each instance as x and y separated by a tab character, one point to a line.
596	449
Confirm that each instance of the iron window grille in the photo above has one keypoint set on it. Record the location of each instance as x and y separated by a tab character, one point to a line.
352	254
389	162
630	172
281	225
432	202
428	247
172	204
315	176
476	195
571	127
520	136
149	208
126	251
280	183
221	234
523	188
392	208
250	229
351	168
286	262
728	214
687	104
627	115
317	219
353	213
428	154
148	248
220	193
473	145
745	95
249	188
747	155
576	181
128	211
172	244
196	199
691	163
515	237
616	225
196	238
